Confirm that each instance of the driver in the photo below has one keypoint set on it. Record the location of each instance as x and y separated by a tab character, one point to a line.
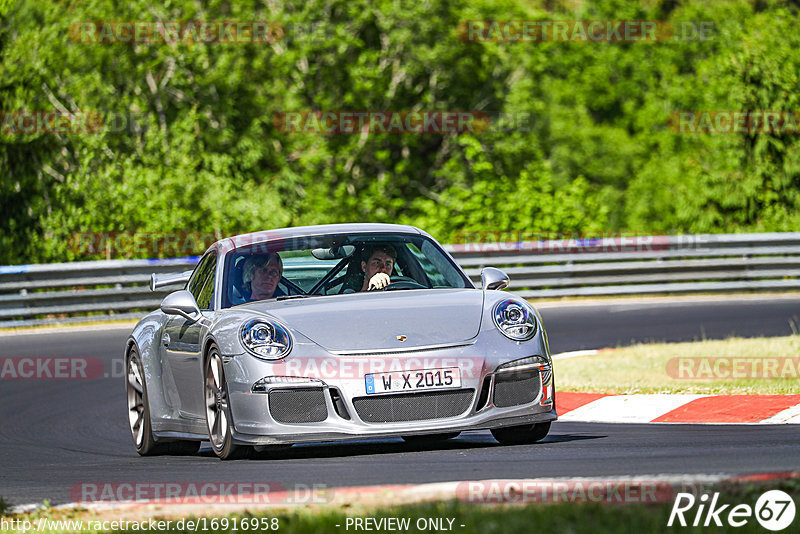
262	274
378	267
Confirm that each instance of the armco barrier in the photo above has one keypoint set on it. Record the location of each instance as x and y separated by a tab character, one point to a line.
97	290
641	265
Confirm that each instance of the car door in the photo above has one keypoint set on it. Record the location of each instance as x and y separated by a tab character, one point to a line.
182	338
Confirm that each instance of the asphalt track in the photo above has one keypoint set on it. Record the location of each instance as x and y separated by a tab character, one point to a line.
57	434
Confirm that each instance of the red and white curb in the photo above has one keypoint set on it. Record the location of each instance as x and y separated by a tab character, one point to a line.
671	408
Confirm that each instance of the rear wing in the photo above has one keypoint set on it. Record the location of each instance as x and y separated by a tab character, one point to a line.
157	281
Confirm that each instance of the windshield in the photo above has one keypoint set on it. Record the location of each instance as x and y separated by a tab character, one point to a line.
335	265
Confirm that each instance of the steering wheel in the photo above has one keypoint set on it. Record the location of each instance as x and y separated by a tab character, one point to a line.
403	282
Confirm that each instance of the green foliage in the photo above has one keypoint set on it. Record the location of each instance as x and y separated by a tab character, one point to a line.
483	198
728	182
198	149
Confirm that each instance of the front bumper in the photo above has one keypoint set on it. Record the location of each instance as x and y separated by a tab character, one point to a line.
339	412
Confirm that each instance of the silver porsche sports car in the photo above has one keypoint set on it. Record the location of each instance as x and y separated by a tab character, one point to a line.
334	332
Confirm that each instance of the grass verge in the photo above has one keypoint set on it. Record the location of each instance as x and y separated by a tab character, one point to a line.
467	518
730	366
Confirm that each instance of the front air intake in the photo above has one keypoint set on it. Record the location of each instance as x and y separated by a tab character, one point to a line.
338	404
413	406
513	389
298	405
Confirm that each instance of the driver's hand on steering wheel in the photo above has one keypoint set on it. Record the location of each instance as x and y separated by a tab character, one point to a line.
379	281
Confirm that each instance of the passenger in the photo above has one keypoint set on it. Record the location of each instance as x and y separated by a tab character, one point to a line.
261	274
378	267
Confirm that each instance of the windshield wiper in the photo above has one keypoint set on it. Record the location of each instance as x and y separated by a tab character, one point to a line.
287	297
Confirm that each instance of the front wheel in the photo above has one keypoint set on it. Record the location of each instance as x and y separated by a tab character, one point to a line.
518	435
218	412
139	414
138	408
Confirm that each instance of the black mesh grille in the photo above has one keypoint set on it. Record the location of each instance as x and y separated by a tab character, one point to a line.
302	405
513	389
413	406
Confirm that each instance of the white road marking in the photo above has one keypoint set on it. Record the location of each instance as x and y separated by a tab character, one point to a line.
128	325
575	354
639	408
789	415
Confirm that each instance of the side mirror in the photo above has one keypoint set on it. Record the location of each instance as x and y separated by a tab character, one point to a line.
492	278
181	303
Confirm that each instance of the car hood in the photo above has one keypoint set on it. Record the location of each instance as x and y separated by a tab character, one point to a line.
375	320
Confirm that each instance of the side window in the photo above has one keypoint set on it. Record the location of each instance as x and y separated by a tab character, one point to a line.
439	271
201	285
435	277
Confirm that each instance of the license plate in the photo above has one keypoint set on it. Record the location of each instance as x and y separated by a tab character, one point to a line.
399	381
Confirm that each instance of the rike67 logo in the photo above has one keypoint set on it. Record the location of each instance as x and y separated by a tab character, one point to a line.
774	510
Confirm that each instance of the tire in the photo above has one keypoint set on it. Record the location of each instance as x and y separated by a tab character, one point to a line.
218	410
139	414
519	435
430	438
138	406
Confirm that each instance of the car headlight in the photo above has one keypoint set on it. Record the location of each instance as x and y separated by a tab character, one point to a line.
265	339
524	363
514	319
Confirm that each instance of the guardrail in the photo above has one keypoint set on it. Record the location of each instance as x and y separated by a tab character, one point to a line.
91	288
641	265
100	290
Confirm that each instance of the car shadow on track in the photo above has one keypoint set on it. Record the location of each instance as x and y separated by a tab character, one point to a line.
392	446
559	438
